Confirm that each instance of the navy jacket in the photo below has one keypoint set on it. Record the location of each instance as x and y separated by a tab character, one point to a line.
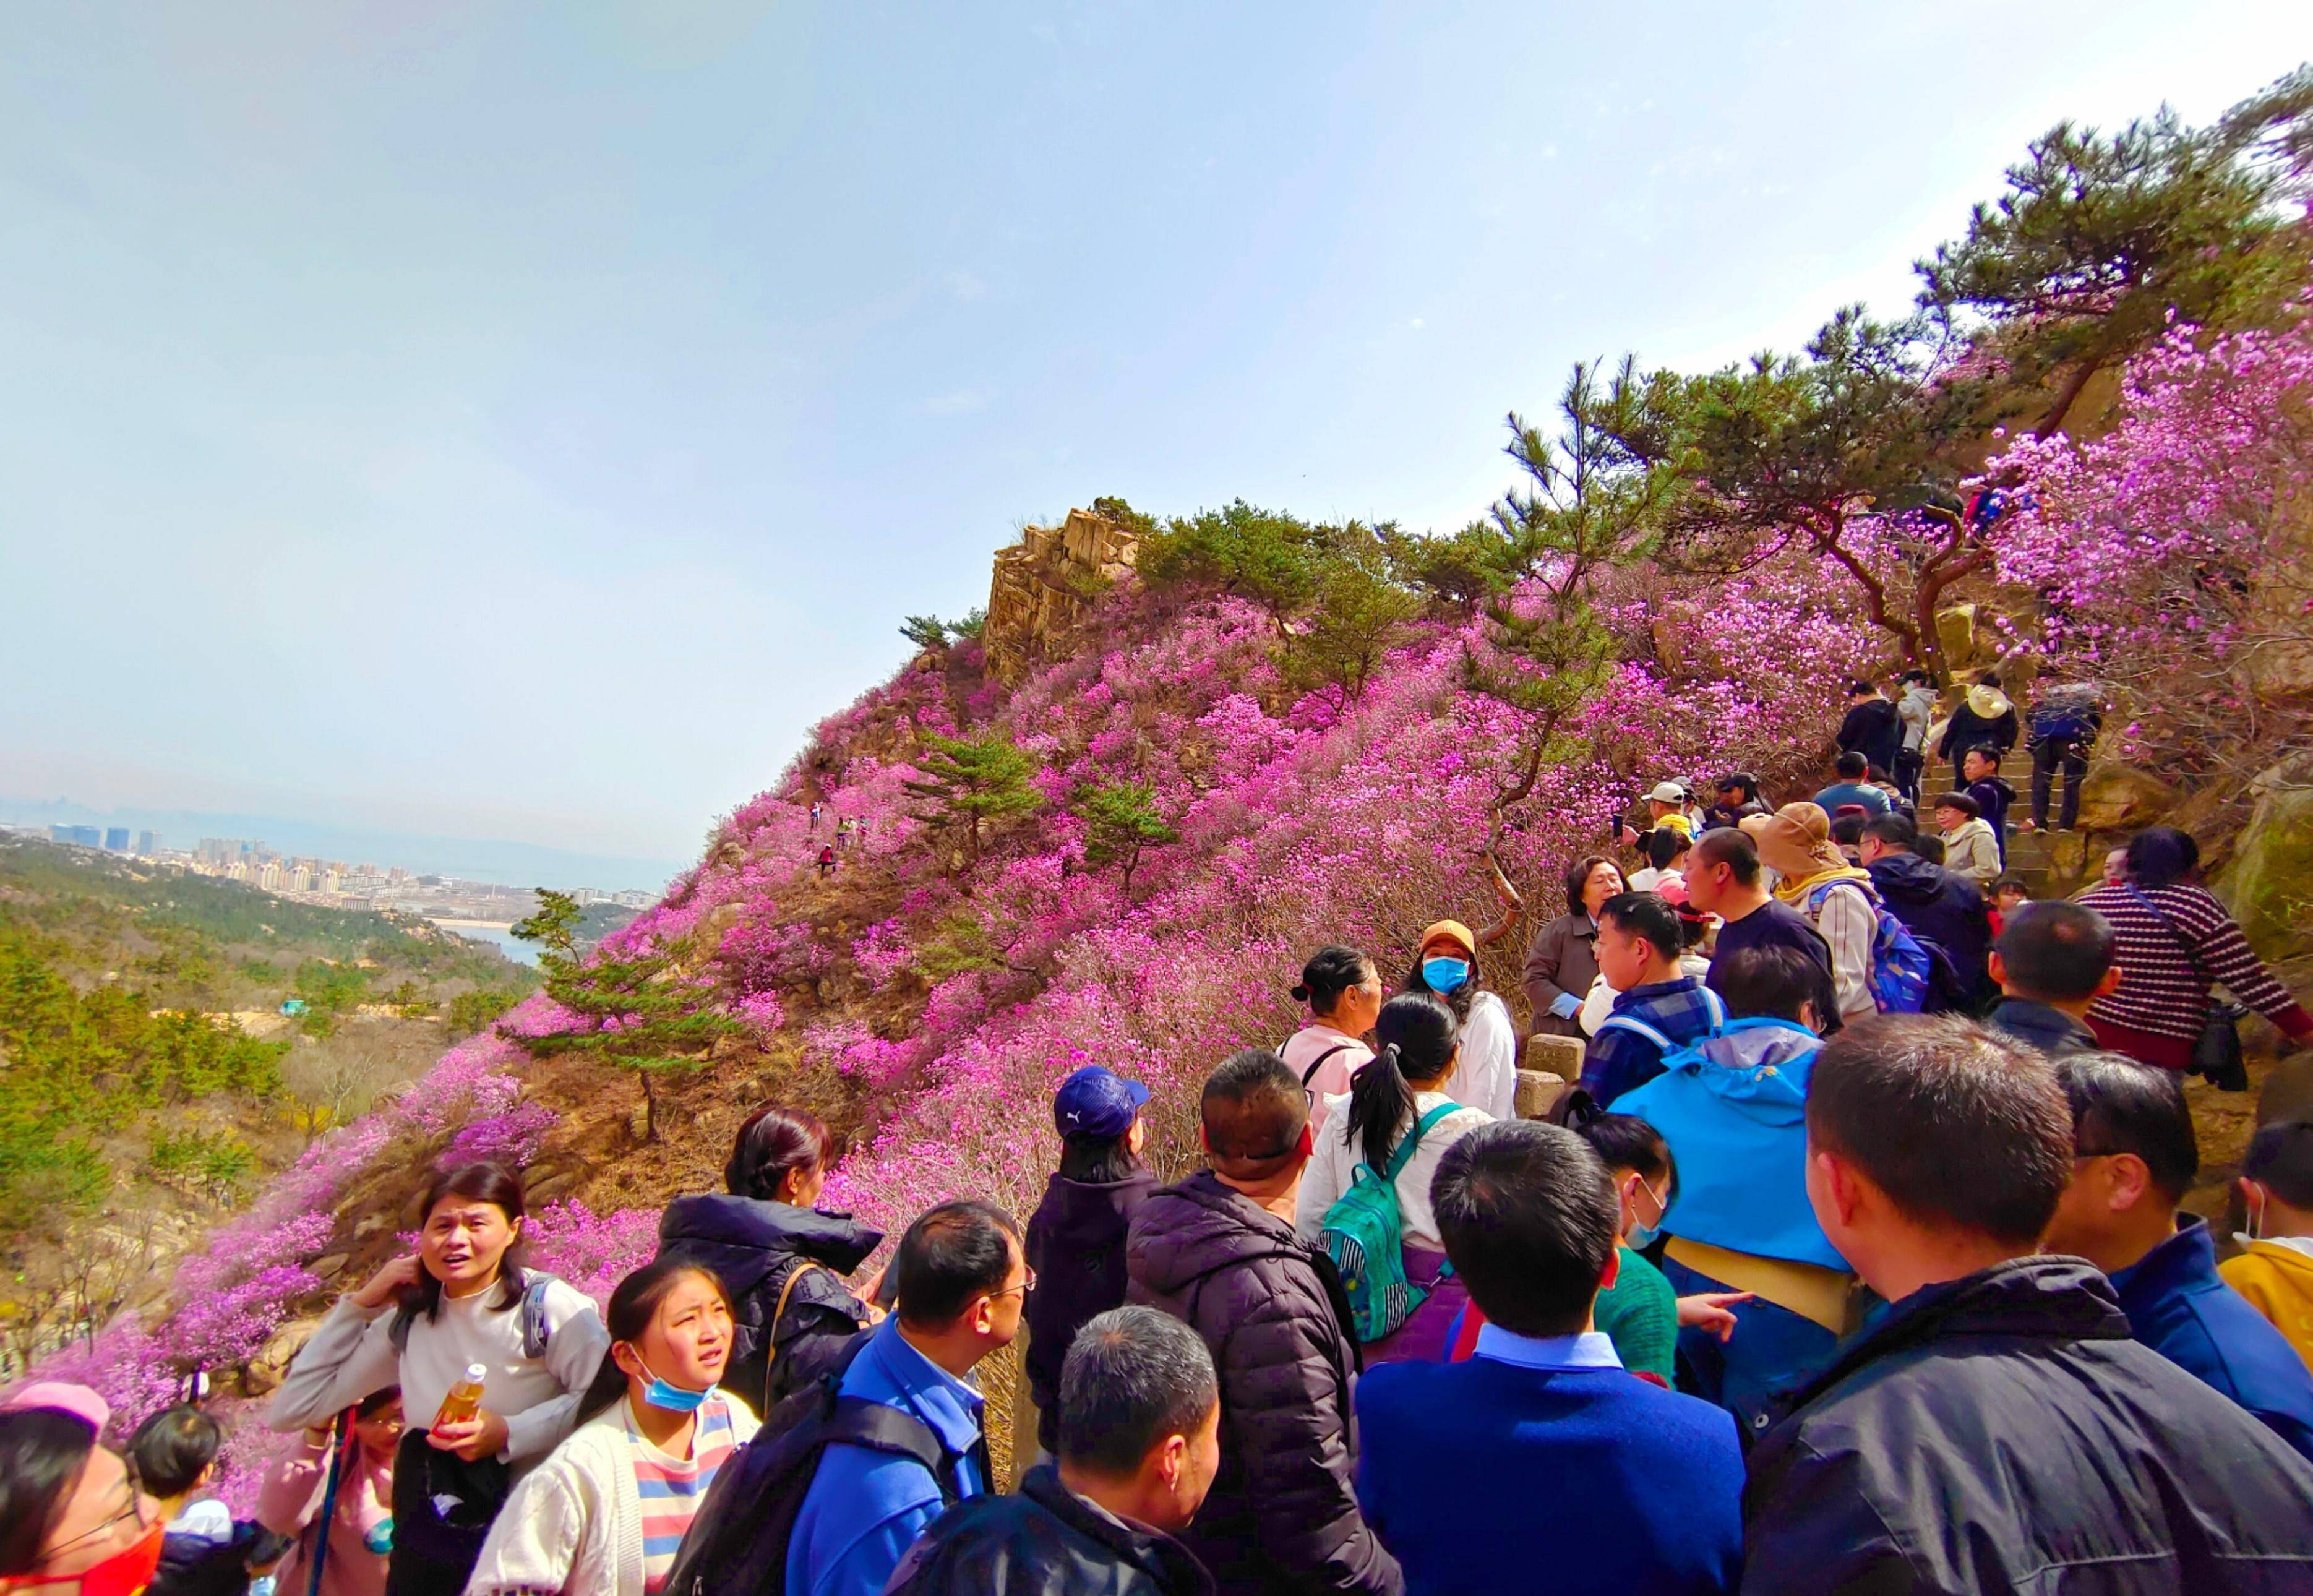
753	1247
2001	1433
1485	1477
1992	796
1875	730
1044	1542
2180	1308
1076	1245
1934	903
2051	1030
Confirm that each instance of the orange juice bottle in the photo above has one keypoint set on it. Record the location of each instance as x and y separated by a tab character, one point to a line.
465	1398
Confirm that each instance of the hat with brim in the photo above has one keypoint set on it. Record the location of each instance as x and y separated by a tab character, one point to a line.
1455	929
1795	841
60	1395
1098	1102
1666	792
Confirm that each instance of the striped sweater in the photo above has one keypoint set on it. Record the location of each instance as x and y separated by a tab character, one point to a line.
2161	993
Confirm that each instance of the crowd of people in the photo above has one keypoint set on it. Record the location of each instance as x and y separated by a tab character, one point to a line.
1854	1260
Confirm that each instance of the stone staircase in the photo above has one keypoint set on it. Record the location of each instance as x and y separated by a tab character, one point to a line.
2051	864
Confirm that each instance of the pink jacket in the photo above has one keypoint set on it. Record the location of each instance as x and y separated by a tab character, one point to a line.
291	1501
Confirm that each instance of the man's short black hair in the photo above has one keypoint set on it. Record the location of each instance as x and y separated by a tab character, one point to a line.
2055	949
1847	830
1732	846
1648	916
1529	1218
1768	983
1133	1376
173	1447
1986	749
1930	849
2119	1105
1253	1109
951	1254
1853	764
1740	781
1857	690
1959	1125
1897	831
2280	1156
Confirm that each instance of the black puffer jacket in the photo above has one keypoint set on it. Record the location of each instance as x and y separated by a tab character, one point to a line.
1282	1516
2002	1432
754	1246
1043	1542
1076	1245
1947	909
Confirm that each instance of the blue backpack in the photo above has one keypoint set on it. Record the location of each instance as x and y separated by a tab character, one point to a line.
1365	1236
1901	970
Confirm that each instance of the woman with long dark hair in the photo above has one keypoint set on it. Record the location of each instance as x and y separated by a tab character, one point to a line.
1343	991
426	1323
1074	1245
1447	966
782	1257
1401	1089
603	1516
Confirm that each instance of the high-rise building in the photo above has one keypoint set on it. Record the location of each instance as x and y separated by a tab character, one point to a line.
116	839
148	843
83	836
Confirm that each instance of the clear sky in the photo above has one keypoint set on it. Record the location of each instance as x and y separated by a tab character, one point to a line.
508	421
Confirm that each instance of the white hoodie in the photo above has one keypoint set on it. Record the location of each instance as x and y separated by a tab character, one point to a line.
1917	709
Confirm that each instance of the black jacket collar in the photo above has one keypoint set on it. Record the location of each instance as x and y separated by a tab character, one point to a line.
1163	1558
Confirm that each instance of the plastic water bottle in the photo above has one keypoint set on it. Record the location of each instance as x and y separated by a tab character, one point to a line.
464	1401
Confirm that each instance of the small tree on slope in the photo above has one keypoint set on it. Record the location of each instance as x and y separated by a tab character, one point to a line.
638	1011
970	783
1120	820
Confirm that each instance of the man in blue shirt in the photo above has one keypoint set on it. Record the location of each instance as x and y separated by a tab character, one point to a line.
961	1278
1455	1458
1850	788
1659	1008
2134	1157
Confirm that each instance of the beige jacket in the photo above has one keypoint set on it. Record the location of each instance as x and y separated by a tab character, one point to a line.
1974	851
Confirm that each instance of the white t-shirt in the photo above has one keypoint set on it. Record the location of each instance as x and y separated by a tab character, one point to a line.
1312	1042
1486	1077
1327	1176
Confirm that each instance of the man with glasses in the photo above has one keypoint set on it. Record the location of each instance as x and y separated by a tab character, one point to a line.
1218	1251
962	1280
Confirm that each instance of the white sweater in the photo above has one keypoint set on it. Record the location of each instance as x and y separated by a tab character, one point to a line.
1327	1176
352	1355
1486	1077
575	1523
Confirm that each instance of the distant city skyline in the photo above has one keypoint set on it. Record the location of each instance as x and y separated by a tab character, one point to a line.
503	863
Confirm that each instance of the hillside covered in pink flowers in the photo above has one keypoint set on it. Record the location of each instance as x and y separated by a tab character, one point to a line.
1347	758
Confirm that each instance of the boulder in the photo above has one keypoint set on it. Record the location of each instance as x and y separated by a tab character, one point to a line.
1536	1090
1560	1056
1955	635
262	1374
2269	880
2122	798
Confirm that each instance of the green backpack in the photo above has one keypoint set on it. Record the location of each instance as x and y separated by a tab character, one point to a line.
1364	1237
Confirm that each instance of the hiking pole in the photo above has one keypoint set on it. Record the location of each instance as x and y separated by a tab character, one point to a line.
340	1432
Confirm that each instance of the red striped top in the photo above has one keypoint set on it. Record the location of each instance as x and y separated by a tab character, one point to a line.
2161	993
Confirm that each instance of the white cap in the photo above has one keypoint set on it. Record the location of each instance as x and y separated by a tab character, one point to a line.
477	1373
1667	792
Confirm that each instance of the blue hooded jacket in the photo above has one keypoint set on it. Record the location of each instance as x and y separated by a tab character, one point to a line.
1733	1108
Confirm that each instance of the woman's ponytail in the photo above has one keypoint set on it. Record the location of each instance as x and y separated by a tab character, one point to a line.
1417	1031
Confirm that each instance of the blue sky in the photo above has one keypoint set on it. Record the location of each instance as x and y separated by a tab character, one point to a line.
525	421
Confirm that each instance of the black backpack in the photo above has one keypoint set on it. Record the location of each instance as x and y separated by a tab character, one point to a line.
737	1543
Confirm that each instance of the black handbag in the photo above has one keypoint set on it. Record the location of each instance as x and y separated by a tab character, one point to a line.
2217	1057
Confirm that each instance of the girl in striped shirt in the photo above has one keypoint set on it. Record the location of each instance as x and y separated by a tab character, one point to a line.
603	1516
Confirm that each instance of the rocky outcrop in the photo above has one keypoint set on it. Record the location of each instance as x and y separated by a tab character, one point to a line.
1047	583
2269	879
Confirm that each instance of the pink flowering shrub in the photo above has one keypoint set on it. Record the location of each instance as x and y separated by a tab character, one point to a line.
592	1252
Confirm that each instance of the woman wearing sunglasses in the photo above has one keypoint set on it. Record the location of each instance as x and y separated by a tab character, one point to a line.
72	1516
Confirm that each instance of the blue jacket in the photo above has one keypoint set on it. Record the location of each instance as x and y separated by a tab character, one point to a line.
865	1509
1734	1111
2180	1307
1490	1477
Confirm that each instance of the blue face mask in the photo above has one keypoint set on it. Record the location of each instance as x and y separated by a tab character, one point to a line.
673	1398
1642	1235
1445	975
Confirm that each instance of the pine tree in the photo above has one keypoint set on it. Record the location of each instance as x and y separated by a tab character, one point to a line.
636	1011
1121	819
970	783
